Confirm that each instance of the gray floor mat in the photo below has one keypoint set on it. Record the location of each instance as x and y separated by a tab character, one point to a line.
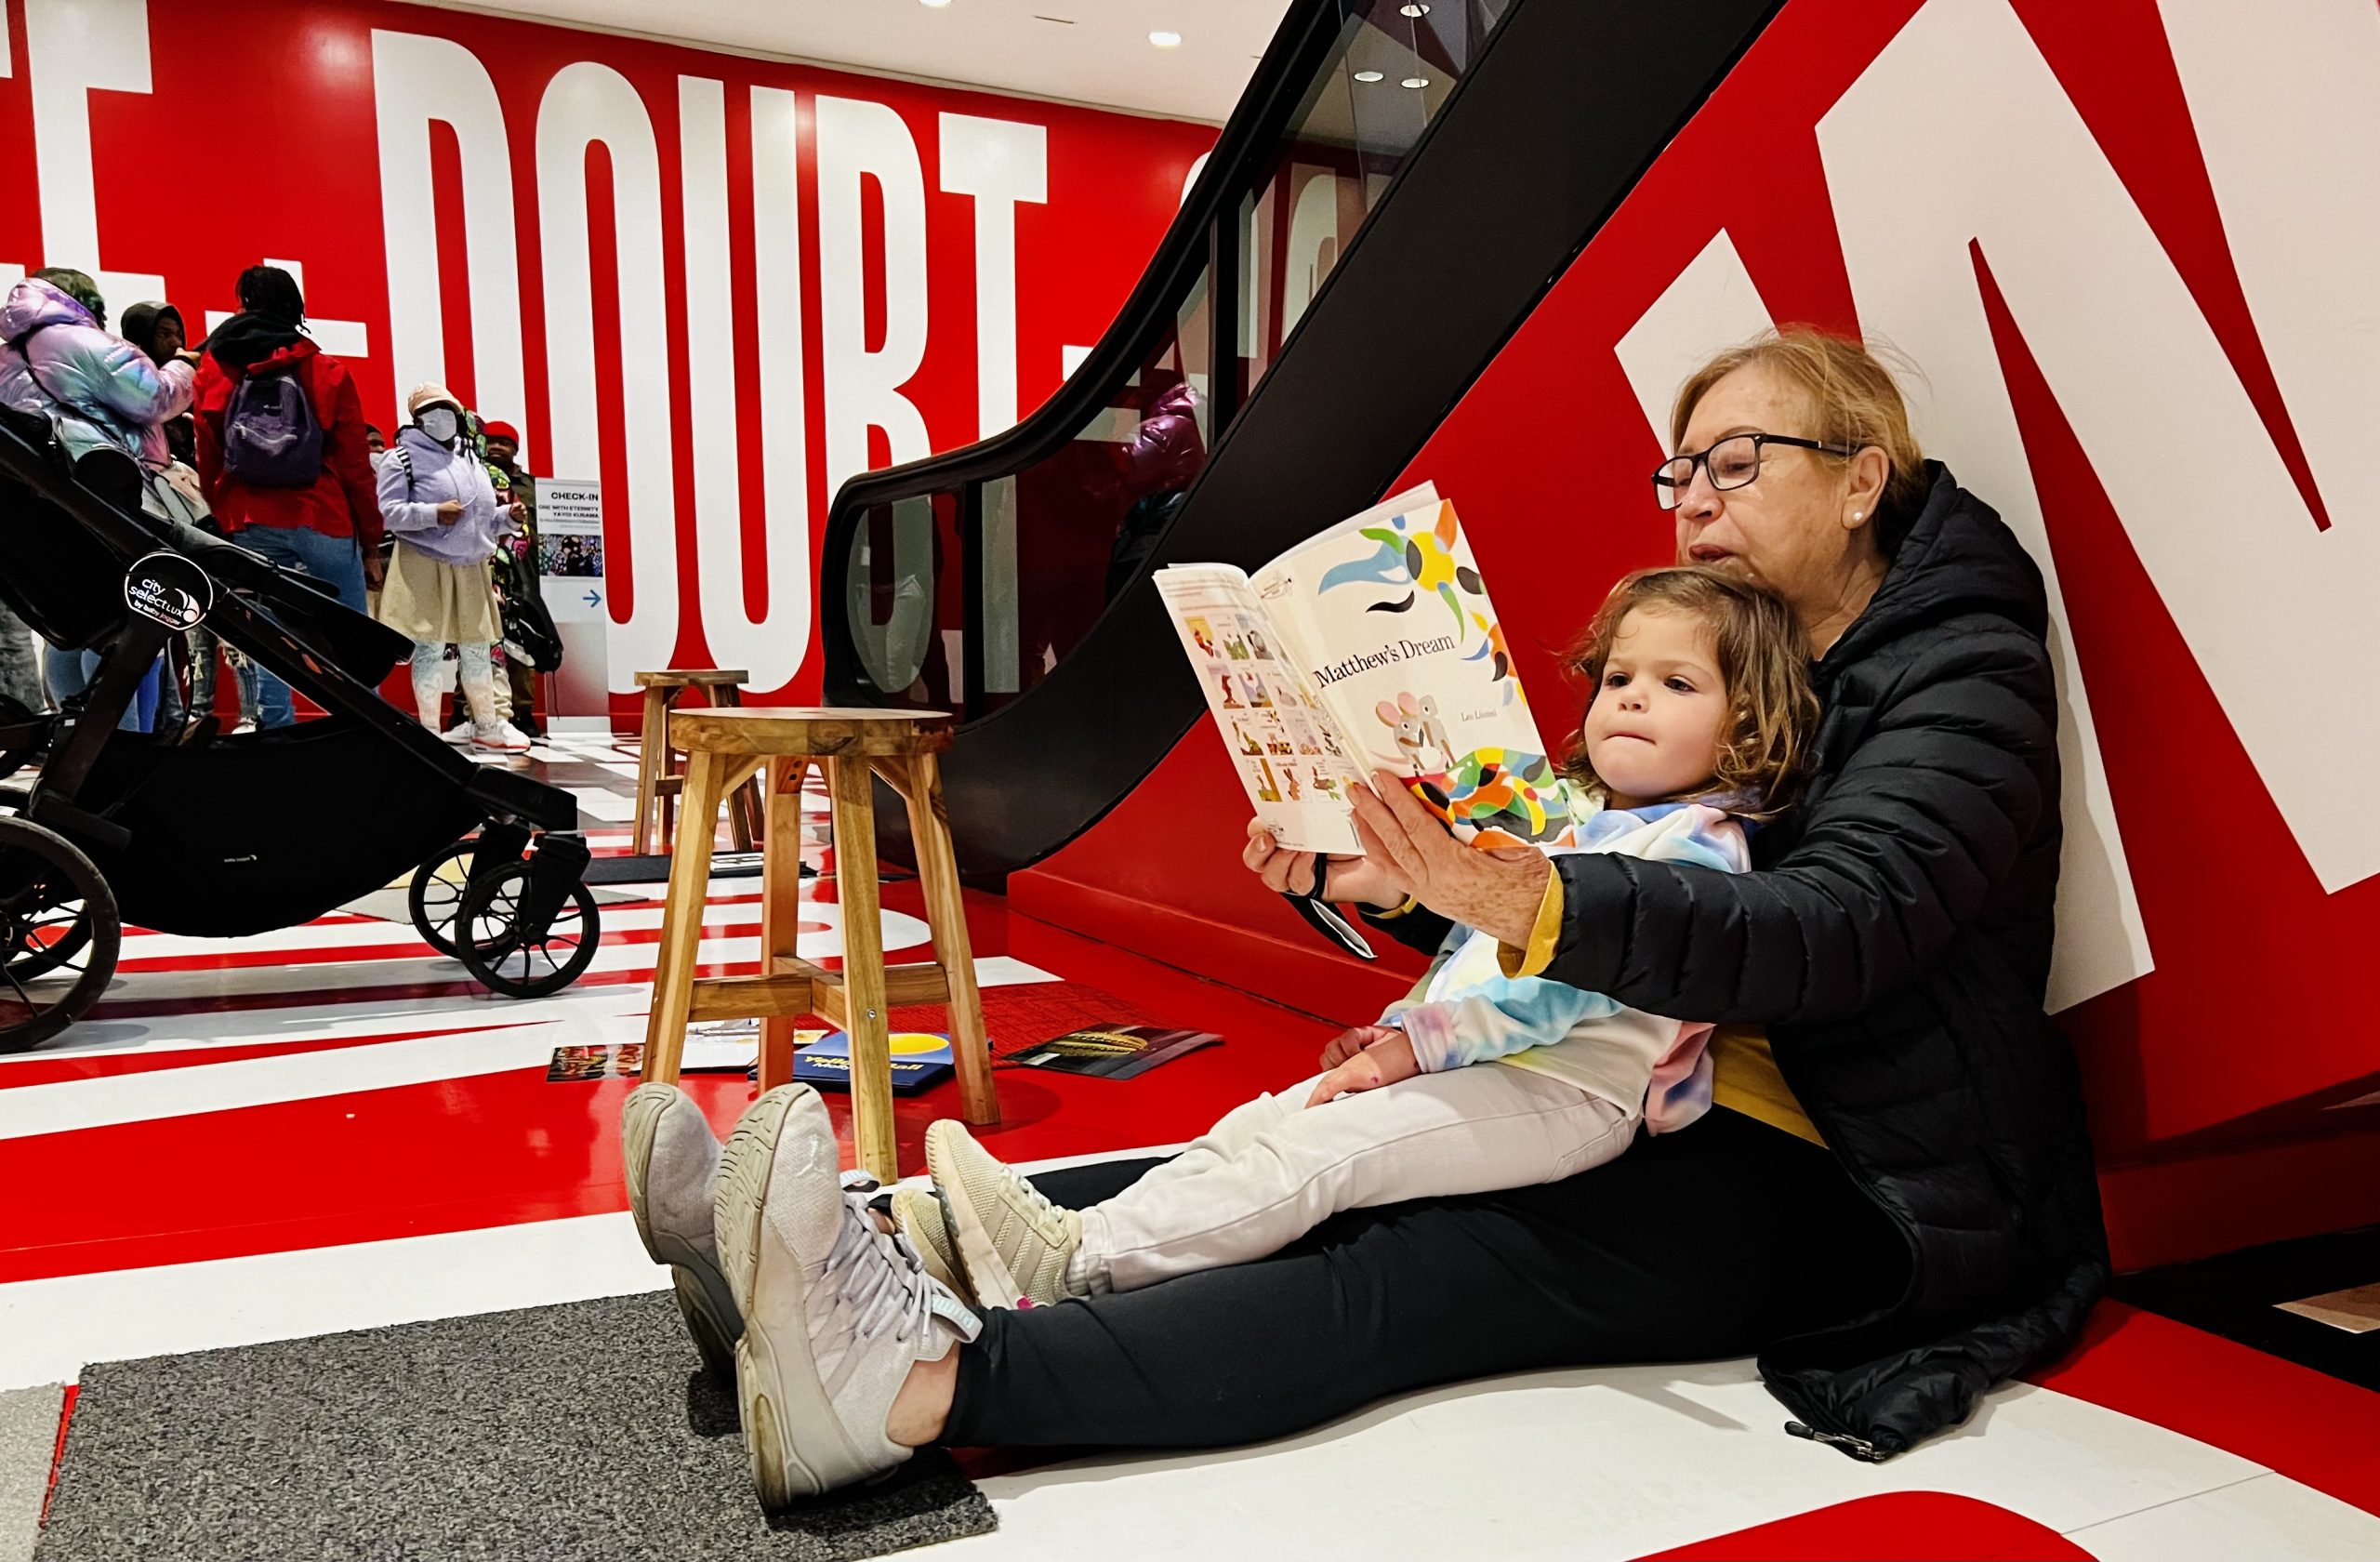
573	1432
28	1441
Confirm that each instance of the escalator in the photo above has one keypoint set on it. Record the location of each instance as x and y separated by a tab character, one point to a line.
1398	186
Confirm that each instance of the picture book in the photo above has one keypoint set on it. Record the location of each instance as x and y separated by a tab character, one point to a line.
1115	1051
1371	646
919	1059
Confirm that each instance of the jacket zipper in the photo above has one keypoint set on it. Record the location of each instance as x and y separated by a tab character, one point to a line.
1858	1448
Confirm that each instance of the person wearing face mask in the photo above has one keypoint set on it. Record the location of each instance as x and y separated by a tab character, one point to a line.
439	505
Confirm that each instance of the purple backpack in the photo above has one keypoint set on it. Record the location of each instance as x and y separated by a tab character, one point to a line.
271	435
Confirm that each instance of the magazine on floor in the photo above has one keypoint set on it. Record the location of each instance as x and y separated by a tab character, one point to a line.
1115	1051
920	1059
1371	646
703	1054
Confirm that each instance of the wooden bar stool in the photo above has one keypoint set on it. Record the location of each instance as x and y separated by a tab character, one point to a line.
658	780
722	748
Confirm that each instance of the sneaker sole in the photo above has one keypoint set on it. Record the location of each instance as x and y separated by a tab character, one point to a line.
986	1274
929	1254
784	1401
704	1299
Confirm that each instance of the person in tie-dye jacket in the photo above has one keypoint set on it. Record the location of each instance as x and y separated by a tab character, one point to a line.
1477	1079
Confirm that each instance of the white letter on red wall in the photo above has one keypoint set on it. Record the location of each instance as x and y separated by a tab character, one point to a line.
998	162
72	48
860	140
416	80
785	437
586	103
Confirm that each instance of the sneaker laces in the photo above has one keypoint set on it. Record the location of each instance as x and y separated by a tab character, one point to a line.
1045	1216
881	1279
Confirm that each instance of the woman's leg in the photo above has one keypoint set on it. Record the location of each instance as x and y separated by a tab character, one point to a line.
1709	1242
478	685
1276	1169
429	670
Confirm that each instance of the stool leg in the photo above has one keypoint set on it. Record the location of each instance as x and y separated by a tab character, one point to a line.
681	926
938	874
864	1005
780	907
649	766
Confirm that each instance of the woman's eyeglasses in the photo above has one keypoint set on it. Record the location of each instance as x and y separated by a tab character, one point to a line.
1732	462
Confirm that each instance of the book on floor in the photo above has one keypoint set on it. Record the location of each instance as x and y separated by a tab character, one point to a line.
625	1059
1370	646
1115	1051
824	1058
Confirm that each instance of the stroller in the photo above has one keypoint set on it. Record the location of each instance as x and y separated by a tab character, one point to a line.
213	834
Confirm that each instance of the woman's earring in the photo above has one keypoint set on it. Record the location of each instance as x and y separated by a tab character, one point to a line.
1858	515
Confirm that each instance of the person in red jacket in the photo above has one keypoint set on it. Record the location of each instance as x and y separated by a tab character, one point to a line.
328	527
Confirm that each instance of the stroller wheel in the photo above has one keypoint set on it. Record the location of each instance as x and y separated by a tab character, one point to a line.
436	895
501	943
59	934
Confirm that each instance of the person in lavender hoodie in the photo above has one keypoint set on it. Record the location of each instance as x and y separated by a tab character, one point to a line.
438	503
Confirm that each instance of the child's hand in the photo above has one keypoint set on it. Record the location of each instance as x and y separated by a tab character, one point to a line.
1381	1063
1348	1043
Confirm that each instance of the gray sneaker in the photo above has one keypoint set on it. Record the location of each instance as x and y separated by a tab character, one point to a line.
836	1311
672	1159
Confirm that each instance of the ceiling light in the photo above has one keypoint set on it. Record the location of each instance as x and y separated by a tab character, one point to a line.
935	4
1416	9
1165	39
1367	75
1416	82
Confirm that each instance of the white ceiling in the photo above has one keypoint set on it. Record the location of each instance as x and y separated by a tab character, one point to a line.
1098	51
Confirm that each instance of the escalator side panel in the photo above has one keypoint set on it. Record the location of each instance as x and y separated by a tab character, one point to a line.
1556	123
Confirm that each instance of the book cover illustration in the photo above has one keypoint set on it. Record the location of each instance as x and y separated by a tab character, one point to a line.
919	1058
1412	660
1114	1052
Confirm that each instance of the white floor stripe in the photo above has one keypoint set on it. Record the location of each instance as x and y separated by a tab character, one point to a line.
49	1329
67	1106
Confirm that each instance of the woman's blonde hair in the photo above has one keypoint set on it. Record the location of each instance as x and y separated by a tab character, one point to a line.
1765	660
1852	400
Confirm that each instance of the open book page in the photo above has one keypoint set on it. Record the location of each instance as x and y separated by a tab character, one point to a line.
1292	758
1394	630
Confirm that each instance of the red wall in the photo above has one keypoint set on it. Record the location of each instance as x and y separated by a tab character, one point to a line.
220	134
2220	1061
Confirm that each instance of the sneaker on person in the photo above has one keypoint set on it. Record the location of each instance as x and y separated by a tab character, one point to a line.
500	735
245	724
672	1159
461	732
836	1310
1012	1244
921	1217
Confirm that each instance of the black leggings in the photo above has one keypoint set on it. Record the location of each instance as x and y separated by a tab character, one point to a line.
1714	1241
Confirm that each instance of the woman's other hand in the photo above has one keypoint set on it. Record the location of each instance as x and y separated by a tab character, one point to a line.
1367	880
450	512
1380	1063
1497	891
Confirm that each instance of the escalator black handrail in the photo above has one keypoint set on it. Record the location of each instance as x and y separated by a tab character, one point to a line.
1275	93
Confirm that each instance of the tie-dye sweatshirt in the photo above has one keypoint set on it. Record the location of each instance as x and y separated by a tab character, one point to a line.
1465	1010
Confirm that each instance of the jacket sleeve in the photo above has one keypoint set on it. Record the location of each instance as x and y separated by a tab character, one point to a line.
207	394
180	381
1899	852
394	501
349	460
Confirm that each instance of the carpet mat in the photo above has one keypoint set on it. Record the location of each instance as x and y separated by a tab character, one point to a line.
581	1431
28	1444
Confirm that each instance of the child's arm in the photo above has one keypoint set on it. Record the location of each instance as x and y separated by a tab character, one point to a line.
1500	1017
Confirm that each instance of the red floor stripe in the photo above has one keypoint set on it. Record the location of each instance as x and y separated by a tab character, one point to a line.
1895	1527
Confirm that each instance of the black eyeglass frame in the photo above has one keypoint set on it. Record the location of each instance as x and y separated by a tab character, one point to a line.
1669	492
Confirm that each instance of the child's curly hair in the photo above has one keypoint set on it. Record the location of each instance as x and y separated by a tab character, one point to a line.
1763	656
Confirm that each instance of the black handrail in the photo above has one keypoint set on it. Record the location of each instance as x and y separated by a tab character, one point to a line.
1275	90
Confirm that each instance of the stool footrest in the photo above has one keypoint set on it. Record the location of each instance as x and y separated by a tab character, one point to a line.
799	987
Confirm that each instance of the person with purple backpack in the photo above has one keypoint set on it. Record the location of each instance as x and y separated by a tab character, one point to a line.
281	452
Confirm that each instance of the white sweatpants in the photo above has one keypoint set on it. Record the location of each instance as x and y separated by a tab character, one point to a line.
1273	1170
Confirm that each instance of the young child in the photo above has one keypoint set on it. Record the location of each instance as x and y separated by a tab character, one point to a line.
1475	1081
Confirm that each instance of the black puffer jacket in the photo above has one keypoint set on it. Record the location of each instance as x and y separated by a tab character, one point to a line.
1895	940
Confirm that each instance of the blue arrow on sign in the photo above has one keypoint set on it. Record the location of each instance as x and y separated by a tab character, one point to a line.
594	600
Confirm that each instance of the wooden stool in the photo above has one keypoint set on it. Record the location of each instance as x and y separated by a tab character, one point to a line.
658	781
722	748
